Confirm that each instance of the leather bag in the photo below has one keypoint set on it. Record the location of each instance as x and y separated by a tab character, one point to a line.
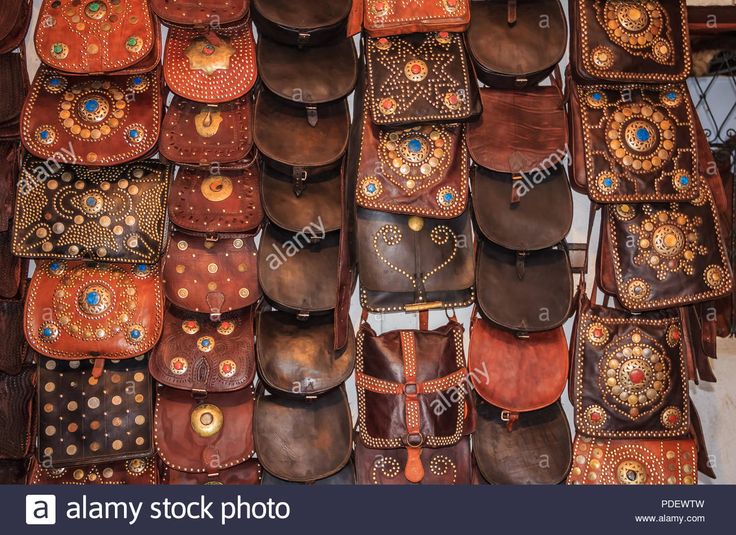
16	401
394	17
77	310
9	173
634	462
211	276
297	357
346	476
404	379
516	44
13	472
14	86
206	134
300	23
86	418
200	13
318	432
212	65
450	465
536	451
92	120
226	201
203	436
205	356
115	214
634	143
409	262
630	41
15	350
420	78
246	473
95	37
14	22
137	471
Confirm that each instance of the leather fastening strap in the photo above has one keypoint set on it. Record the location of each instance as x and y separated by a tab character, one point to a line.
512	15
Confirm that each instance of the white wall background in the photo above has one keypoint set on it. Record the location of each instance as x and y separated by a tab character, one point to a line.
716	402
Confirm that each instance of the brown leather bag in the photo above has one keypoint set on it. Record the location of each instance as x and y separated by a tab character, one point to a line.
206	134
92	120
297	357
15	19
211	276
13	472
205	356
394	17
77	310
200	13
346	476
86	418
450	465
203	436
634	462
16	406
15	352
96	37
412	391
537	451
630	41
420	78
318	434
212	65
137	471
14	86
226	201
302	24
634	143
9	173
116	214
516	44
246	473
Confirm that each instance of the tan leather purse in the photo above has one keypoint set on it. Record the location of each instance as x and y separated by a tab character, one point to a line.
394	17
138	471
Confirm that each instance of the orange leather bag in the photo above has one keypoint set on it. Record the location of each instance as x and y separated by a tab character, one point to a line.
394	17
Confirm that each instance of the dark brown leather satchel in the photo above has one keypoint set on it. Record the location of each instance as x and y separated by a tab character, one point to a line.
302	24
394	17
634	143
246	473
16	401
297	356
450	465
136	471
630	40
203	436
420	78
634	462
524	292
215	65
226	201
538	451
205	356
516	44
14	86
211	276
78	310
630	375
116	214
318	433
206	134
96	37
92	120
413	392
15	351
14	22
14	268
346	476
200	13
86	418
9	173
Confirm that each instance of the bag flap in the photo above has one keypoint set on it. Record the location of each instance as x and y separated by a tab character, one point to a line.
246	473
200	13
346	476
394	17
115	214
137	471
77	310
14	22
88	119
214	65
205	356
13	88
16	400
302	23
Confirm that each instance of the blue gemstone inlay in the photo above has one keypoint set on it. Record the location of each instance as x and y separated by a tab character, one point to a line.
54	266
684	180
135	333
91	106
643	135
44	134
597	96
414	145
142	268
48	332
671	95
55	82
608	182
137	80
448	197
371	188
91	201
92	298
134	134
205	343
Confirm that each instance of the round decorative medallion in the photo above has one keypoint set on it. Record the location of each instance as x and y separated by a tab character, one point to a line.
49	332
447	197
206	420
206	344
674	335
671	417
598	334
639	27
56	84
136	466
136	334
227	368
607	183
641	137
595	416
420	156
178	365
226	328
631	472
370	187
95	299
216	188
596	99
388	106
603	57
624	212
96	10
715	277
416	70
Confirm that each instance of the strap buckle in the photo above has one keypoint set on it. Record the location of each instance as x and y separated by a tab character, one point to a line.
414	440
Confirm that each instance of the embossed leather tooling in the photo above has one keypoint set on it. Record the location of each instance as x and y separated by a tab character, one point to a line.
303	24
77	310
116	213
88	120
213	66
94	37
200	12
85	418
211	276
393	17
205	356
420	78
136	471
630	40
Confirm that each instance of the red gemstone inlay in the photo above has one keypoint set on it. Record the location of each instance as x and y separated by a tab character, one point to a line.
416	69
443	34
178	365
226	368
596	417
636	376
453	99
387	104
675	335
208	50
598	332
452	3
672	418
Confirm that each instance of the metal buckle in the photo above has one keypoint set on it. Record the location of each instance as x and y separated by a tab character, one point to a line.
408	440
411	389
505	416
